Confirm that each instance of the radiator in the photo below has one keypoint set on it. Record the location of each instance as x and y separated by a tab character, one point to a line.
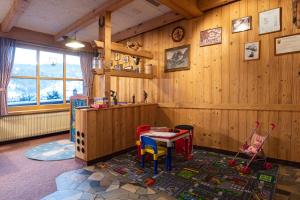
23	126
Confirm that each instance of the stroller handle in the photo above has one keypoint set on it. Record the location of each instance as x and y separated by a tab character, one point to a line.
273	126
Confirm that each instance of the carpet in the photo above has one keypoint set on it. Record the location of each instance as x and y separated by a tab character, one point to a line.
56	150
207	176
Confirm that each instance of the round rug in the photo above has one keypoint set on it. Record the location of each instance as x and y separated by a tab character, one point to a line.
57	150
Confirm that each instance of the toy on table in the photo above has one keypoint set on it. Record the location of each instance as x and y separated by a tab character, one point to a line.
113	94
149	146
145	96
254	148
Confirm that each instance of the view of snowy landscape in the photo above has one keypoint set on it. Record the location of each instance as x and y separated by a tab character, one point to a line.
23	86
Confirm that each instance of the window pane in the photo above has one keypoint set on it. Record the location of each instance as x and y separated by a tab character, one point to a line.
74	87
51	92
25	62
73	67
51	64
21	92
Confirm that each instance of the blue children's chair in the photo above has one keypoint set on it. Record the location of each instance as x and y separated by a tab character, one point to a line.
149	146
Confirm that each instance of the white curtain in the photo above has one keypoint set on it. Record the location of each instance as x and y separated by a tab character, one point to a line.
7	56
86	61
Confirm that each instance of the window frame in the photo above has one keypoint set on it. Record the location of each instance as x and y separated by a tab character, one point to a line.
39	107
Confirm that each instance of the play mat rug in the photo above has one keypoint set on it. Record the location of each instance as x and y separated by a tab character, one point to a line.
56	150
206	177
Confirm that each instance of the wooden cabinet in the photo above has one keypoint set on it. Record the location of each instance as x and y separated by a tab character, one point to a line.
105	131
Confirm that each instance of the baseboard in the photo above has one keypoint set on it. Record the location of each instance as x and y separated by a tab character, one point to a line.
232	153
33	137
110	156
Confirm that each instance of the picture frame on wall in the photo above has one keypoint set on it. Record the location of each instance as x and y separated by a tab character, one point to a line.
177	58
241	24
270	21
287	44
211	37
252	51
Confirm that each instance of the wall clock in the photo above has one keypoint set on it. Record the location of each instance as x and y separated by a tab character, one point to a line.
177	34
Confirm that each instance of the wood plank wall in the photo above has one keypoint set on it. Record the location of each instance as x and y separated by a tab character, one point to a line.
222	95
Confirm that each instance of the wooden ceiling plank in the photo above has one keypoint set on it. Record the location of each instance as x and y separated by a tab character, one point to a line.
204	5
89	18
17	9
187	8
149	25
117	47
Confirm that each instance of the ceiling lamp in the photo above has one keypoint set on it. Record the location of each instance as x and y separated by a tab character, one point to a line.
73	43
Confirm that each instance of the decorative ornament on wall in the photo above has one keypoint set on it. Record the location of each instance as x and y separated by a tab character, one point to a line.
177	34
296	13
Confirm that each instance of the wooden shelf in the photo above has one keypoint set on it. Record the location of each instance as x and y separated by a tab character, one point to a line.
123	74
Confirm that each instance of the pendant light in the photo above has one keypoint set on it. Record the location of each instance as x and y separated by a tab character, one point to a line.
74	44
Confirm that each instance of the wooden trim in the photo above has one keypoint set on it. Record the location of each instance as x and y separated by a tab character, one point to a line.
17	9
39	111
205	5
89	18
43	40
123	74
149	25
258	107
116	47
186	8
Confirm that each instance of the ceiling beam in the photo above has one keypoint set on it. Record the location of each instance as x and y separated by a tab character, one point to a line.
17	9
120	48
204	5
38	38
186	8
89	18
147	26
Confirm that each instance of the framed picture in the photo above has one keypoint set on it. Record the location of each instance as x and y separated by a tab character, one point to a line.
252	51
177	58
296	13
211	37
287	44
241	24
270	21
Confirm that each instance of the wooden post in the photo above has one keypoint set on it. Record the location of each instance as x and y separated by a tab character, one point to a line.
105	35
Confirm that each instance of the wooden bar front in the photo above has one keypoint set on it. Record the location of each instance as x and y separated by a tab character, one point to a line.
105	131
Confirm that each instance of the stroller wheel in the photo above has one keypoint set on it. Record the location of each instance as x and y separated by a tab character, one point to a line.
245	170
267	166
231	163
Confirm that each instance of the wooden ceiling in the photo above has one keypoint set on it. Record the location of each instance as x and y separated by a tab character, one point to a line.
58	18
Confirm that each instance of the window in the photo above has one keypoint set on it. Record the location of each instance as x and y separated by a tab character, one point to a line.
40	78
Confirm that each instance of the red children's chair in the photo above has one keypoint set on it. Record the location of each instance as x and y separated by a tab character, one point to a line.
140	129
180	144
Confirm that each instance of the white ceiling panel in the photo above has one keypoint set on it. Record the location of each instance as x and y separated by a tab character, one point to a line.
51	16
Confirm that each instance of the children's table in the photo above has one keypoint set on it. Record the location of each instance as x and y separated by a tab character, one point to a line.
169	138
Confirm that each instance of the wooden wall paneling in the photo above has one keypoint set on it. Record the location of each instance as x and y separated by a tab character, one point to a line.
252	66
233	130
263	117
224	129
285	132
91	127
117	140
295	140
234	59
243	75
274	138
107	131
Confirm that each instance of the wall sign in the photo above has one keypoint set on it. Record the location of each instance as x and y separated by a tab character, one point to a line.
270	21
287	44
211	37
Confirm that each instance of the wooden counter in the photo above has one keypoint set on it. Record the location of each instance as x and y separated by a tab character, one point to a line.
105	131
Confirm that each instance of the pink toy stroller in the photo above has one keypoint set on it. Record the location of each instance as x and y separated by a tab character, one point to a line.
254	149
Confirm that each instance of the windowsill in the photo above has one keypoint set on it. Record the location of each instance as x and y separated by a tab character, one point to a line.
27	110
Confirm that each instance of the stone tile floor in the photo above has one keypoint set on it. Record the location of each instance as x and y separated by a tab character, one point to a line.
121	178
